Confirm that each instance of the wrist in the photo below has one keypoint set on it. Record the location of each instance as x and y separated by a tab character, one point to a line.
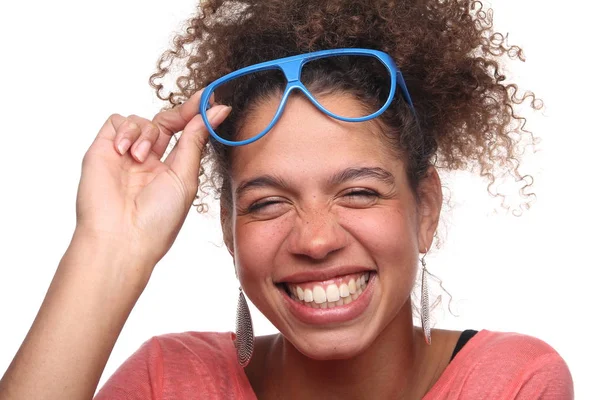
113	260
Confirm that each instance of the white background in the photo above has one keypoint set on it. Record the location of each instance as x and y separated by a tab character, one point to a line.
65	66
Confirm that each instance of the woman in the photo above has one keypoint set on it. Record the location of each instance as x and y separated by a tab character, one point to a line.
330	201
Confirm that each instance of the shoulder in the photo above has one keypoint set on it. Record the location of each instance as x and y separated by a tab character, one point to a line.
508	365
202	357
512	348
208	345
176	350
176	365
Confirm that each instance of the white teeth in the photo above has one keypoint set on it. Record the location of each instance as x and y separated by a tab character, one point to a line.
308	296
331	296
352	286
333	293
344	291
319	295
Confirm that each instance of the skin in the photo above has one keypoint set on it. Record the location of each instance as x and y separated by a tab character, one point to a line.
130	208
301	221
115	249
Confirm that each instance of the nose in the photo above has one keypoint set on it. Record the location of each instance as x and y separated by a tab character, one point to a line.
316	235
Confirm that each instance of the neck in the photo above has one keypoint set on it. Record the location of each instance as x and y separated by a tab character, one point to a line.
392	367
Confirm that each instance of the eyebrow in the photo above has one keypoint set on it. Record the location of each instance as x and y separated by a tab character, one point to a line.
349	174
260	182
338	178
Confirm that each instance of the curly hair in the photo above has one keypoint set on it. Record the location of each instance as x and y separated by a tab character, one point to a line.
447	50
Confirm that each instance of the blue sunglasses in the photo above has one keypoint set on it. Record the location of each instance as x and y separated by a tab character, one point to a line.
291	67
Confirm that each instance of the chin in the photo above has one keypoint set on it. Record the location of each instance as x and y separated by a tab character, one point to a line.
333	346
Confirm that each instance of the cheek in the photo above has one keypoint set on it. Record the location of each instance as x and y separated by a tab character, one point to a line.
388	233
390	237
256	245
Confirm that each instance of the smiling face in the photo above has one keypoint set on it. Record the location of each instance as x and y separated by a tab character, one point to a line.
325	230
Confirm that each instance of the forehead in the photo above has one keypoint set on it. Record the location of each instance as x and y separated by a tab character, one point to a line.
306	142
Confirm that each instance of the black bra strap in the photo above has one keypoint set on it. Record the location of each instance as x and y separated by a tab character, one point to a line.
462	340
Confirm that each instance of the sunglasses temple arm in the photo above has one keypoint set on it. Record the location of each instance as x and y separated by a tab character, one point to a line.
404	90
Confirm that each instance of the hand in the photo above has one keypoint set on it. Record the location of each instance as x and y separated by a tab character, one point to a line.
127	196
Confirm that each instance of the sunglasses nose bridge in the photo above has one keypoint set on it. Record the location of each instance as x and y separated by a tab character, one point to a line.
291	69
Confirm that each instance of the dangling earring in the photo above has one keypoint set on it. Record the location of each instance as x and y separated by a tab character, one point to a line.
244	340
425	301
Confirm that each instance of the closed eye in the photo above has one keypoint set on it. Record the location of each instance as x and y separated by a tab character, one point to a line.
360	198
361	192
267	208
261	205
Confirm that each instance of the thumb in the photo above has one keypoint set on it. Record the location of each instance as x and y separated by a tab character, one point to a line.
184	159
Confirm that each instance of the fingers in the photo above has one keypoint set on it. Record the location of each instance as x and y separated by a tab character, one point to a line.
142	136
174	120
109	129
184	159
138	135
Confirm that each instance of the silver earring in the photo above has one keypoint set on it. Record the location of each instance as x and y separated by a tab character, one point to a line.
244	334
425	301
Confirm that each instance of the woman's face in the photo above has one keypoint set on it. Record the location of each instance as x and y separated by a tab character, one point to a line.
325	230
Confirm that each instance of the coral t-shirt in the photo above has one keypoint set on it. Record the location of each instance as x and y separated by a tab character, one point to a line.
203	365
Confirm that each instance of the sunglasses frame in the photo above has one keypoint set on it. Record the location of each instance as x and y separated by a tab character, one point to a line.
292	68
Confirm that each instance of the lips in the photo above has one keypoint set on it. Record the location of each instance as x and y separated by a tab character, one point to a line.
330	301
331	293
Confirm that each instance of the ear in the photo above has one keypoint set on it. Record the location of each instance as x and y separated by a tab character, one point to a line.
430	206
227	226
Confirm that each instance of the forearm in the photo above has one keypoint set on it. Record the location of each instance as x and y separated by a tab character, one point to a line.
84	310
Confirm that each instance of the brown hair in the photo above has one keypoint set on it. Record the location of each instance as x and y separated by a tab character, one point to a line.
447	51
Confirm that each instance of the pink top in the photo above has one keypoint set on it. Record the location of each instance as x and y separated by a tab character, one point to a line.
195	365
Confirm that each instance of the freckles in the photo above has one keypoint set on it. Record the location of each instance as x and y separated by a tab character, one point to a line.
257	243
385	233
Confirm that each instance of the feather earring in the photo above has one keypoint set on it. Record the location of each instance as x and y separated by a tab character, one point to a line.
244	340
425	323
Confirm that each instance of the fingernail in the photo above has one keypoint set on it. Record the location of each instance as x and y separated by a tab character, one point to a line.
123	145
216	111
211	112
141	151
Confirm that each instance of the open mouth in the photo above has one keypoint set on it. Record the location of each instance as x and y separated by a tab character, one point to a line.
332	293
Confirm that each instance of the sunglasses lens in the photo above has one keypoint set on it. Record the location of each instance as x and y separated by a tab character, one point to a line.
244	93
336	80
